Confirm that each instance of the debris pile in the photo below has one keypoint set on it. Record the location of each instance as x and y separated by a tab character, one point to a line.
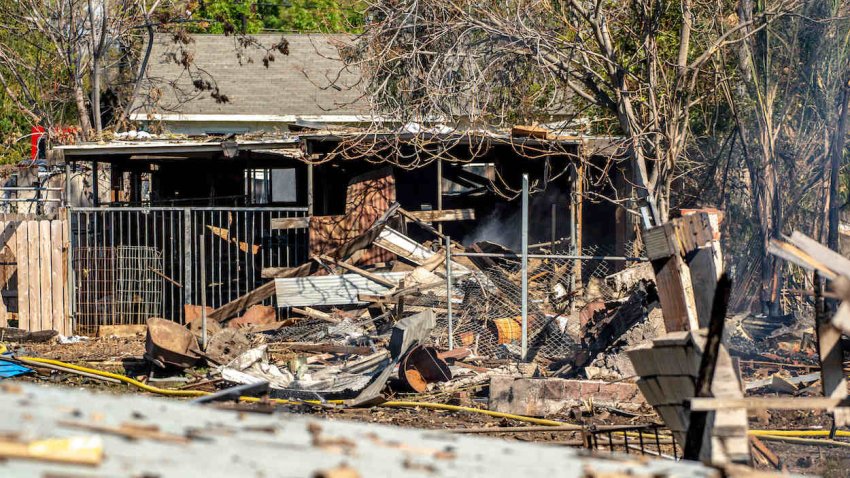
444	329
334	337
348	325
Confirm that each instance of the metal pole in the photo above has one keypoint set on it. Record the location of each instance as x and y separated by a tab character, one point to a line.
202	250
95	187
524	348
309	189
440	192
67	184
69	271
449	292
573	249
554	227
187	257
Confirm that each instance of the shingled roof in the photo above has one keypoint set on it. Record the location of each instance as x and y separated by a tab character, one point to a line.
310	82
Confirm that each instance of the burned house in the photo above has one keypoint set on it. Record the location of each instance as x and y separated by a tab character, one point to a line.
272	203
291	166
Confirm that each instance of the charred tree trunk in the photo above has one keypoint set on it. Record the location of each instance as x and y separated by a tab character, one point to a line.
753	64
769	214
836	154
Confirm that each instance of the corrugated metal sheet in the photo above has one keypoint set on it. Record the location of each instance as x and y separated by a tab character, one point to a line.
329	290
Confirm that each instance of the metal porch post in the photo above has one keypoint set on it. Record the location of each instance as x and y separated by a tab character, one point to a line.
449	292
524	348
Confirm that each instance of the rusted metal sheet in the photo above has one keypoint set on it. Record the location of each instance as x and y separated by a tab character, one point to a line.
169	343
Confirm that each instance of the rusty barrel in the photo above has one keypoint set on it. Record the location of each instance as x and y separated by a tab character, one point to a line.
421	366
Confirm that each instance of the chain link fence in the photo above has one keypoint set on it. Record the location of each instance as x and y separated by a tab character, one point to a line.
487	304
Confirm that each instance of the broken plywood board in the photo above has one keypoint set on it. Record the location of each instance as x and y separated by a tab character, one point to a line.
279	223
368	197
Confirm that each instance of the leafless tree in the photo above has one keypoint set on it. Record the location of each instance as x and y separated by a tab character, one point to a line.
57	53
789	101
58	57
636	68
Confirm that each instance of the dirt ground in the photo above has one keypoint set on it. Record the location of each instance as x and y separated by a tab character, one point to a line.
123	355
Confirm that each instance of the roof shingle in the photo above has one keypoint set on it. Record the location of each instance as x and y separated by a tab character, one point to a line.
310	81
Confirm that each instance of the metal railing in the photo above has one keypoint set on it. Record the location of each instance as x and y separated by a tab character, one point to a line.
165	264
36	189
650	439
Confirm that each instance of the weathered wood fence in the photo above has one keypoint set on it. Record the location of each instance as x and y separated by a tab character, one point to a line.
34	273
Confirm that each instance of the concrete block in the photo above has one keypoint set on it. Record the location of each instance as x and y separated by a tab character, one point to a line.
542	397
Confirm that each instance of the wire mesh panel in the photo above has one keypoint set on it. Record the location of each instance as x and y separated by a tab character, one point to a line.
138	288
99	237
487	305
487	310
117	285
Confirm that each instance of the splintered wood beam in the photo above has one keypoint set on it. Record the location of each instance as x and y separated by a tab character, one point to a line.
408	217
769	403
445	215
767	453
831	353
272	272
675	291
673	248
795	255
704	274
290	223
224	234
359	271
315	314
833	260
228	310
